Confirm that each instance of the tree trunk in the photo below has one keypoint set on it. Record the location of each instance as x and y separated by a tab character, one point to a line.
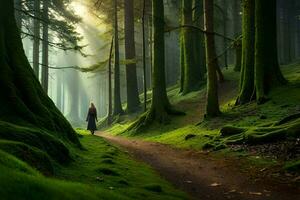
212	107
160	106
238	55
247	71
18	13
118	110
144	55
192	76
237	33
59	83
225	7
109	112
133	101
45	52
199	37
23	101
36	39
267	70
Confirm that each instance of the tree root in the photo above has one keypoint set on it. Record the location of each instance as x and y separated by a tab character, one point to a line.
151	116
288	127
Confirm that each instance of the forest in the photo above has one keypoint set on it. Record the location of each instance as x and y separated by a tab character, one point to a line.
149	99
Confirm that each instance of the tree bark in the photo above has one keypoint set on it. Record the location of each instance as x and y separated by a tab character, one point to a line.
23	101
18	13
212	104
225	7
144	54
247	70
160	105
133	101
36	39
45	50
192	75
109	112
118	110
267	70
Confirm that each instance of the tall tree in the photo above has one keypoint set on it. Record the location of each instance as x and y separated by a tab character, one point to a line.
24	101
117	91
45	48
247	71
110	106
267	70
237	32
144	54
133	101
36	39
160	105
212	103
192	75
260	68
225	17
18	13
199	46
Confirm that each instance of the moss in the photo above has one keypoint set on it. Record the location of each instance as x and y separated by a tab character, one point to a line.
231	130
153	188
108	172
9	161
293	166
37	138
34	157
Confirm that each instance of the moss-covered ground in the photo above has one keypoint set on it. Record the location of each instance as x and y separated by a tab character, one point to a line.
101	171
193	132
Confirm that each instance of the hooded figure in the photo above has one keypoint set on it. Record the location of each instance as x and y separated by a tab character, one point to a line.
92	118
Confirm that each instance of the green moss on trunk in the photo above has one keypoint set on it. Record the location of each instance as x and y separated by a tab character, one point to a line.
193	75
212	107
267	71
133	101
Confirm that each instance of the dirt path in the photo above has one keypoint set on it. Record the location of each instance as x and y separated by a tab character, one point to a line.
201	176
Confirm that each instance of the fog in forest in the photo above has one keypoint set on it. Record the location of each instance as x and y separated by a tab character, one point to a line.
73	90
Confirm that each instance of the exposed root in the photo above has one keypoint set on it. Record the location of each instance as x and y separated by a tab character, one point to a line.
151	116
288	127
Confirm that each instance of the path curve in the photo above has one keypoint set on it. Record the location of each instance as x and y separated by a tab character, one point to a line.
201	176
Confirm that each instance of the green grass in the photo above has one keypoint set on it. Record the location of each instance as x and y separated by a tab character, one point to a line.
101	171
284	101
105	166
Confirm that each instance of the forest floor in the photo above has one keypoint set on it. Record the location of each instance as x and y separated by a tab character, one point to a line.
250	171
206	177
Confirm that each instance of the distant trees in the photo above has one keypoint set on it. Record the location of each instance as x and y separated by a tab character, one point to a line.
23	101
56	18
